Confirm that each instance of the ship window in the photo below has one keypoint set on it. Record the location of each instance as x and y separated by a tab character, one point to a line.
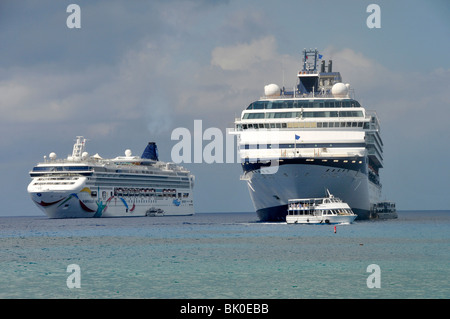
283	104
277	104
331	124
251	116
325	124
256	106
301	104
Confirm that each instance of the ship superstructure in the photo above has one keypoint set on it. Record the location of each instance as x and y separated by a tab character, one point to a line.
90	186
297	143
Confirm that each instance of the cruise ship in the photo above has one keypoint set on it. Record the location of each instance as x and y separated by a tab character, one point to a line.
90	186
296	143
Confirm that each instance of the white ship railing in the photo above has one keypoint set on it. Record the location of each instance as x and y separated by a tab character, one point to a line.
313	95
315	154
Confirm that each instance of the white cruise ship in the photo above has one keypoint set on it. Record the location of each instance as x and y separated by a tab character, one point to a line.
297	143
90	186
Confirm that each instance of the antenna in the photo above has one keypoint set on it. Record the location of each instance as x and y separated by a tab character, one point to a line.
78	147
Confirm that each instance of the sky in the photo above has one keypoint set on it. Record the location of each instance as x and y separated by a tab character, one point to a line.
137	70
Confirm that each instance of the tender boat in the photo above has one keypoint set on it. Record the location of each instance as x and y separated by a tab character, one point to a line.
326	210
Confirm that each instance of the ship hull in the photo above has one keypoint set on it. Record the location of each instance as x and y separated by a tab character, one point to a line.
80	204
304	178
320	220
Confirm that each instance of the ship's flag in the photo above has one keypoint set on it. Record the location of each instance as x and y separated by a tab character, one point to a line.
297	137
320	56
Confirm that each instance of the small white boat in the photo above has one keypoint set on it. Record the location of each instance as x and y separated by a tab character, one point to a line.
326	210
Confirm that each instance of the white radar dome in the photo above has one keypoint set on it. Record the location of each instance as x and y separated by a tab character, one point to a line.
52	155
272	90
339	90
84	155
128	153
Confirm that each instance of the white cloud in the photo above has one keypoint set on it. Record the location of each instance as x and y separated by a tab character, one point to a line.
405	99
244	55
235	75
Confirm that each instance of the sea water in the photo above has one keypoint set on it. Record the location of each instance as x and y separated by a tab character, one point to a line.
225	255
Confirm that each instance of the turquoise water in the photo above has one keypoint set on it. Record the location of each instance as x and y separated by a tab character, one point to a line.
227	255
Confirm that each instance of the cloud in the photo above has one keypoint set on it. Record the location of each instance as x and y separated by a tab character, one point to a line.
401	99
219	89
244	55
97	99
